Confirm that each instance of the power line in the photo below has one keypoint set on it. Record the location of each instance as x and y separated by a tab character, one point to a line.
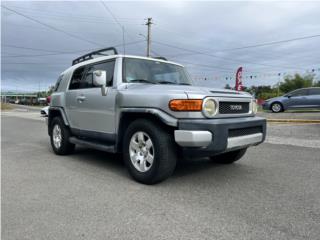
116	20
110	12
48	14
270	43
33	49
32	63
71	52
218	57
255	45
63	13
51	27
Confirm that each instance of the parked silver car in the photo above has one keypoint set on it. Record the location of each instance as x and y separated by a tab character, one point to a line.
149	110
297	99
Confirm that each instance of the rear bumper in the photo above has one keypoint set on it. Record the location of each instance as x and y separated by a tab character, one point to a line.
208	137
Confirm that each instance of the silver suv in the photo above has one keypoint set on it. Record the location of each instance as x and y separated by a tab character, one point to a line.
148	110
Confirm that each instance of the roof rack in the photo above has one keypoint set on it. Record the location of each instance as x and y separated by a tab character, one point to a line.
91	55
161	58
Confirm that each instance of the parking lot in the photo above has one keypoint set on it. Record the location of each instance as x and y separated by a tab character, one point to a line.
272	193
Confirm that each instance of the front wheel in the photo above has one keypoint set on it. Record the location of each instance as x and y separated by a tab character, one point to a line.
276	107
149	152
229	157
59	137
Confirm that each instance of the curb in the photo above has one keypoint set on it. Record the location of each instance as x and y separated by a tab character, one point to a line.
293	120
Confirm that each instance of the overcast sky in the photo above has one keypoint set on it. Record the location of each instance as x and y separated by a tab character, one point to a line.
204	36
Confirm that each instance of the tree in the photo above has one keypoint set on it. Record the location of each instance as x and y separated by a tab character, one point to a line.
292	83
227	86
316	84
263	92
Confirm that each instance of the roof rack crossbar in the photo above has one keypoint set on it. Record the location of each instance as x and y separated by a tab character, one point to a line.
161	58
90	55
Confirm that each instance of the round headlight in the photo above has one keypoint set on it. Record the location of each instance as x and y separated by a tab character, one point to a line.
254	106
209	107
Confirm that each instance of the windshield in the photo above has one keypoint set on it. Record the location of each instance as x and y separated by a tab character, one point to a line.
154	72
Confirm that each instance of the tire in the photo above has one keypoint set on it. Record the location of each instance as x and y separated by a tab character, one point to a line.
276	107
153	161
65	147
229	157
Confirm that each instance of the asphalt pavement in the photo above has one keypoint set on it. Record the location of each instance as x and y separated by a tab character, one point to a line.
272	193
301	114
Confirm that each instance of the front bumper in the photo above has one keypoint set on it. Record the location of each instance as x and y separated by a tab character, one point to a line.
208	137
266	106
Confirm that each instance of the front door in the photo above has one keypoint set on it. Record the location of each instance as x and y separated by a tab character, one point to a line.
298	99
92	114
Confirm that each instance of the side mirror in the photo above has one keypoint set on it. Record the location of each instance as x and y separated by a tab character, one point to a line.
100	80
289	96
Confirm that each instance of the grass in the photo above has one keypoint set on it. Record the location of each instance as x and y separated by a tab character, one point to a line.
5	106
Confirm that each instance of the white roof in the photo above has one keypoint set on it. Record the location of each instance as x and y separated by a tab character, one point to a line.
102	58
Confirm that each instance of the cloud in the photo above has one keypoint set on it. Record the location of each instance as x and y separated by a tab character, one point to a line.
196	26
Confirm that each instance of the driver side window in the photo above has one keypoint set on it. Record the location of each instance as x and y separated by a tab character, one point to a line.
83	76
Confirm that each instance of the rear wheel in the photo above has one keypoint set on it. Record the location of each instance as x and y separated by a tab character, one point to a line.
59	137
276	107
149	152
229	157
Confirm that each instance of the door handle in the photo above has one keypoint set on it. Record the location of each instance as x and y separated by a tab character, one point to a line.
81	98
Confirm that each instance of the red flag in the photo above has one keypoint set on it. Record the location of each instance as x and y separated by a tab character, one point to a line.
239	79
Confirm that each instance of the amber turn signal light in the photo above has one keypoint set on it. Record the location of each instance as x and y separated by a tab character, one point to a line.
185	104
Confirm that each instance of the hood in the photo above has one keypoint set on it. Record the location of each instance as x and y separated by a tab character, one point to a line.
191	91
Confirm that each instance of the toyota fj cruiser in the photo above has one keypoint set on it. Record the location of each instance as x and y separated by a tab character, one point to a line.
148	110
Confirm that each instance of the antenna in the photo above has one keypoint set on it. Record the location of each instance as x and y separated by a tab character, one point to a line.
123	41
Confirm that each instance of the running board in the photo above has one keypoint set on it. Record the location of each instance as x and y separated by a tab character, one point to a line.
95	145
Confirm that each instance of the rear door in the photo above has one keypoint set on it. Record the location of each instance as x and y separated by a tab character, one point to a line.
314	97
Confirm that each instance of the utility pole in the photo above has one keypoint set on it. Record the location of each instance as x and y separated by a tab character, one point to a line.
149	22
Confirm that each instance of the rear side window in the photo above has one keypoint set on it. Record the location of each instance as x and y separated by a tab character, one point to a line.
76	78
314	91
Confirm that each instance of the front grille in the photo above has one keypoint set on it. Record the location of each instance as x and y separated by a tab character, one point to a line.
244	131
233	107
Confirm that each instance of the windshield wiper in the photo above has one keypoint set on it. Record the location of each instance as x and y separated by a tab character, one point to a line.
185	84
141	81
168	82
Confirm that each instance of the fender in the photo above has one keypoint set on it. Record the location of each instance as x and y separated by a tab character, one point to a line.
62	113
164	117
